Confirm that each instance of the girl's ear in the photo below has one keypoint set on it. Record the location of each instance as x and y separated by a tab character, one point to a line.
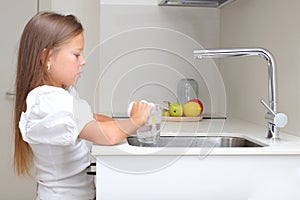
44	56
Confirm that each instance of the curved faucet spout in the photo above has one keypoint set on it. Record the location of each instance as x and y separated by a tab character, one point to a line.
272	73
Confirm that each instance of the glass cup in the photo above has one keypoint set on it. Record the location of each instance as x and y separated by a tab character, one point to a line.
150	132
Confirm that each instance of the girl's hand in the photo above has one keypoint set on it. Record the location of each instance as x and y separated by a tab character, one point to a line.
111	132
140	113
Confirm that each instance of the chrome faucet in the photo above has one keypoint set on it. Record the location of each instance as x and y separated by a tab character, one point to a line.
274	119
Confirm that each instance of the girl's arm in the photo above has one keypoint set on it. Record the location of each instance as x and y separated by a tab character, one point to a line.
102	118
112	132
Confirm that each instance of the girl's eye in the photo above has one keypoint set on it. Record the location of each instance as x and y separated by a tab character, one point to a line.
76	55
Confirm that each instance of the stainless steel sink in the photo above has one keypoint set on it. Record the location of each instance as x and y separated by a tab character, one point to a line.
198	141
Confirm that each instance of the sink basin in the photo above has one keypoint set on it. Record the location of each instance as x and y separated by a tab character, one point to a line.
198	141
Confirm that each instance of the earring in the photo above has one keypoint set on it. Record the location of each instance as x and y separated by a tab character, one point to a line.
48	66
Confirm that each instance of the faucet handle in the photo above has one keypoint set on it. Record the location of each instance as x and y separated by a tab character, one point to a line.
278	119
267	107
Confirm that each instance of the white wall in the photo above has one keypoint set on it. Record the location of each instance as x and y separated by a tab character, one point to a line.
274	25
146	50
88	13
13	16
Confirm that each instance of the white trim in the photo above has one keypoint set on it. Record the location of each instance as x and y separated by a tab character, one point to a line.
130	2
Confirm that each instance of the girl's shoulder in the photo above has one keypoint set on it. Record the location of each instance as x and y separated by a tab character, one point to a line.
46	89
49	97
49	117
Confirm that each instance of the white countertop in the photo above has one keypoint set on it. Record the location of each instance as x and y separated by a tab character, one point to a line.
287	144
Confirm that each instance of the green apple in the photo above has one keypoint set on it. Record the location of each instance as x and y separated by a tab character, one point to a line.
175	110
192	109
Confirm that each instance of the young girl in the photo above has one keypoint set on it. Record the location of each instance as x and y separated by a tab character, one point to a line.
50	119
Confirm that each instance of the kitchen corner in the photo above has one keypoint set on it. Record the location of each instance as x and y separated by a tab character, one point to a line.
288	144
174	173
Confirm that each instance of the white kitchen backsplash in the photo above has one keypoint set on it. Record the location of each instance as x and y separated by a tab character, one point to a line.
145	51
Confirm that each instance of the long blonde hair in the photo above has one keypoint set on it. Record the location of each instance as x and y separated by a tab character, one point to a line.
44	32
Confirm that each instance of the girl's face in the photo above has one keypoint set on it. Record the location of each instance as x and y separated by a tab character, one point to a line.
66	63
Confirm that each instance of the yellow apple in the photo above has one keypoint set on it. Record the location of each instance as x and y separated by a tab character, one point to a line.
165	113
199	102
192	109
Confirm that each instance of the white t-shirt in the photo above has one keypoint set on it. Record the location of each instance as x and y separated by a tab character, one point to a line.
51	125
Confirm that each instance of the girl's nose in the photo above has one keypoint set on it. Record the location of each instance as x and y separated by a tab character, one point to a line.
83	61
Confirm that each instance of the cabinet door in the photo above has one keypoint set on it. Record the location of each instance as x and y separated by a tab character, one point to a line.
13	16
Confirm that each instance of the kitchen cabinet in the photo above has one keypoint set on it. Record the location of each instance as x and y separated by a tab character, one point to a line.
14	14
193	178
